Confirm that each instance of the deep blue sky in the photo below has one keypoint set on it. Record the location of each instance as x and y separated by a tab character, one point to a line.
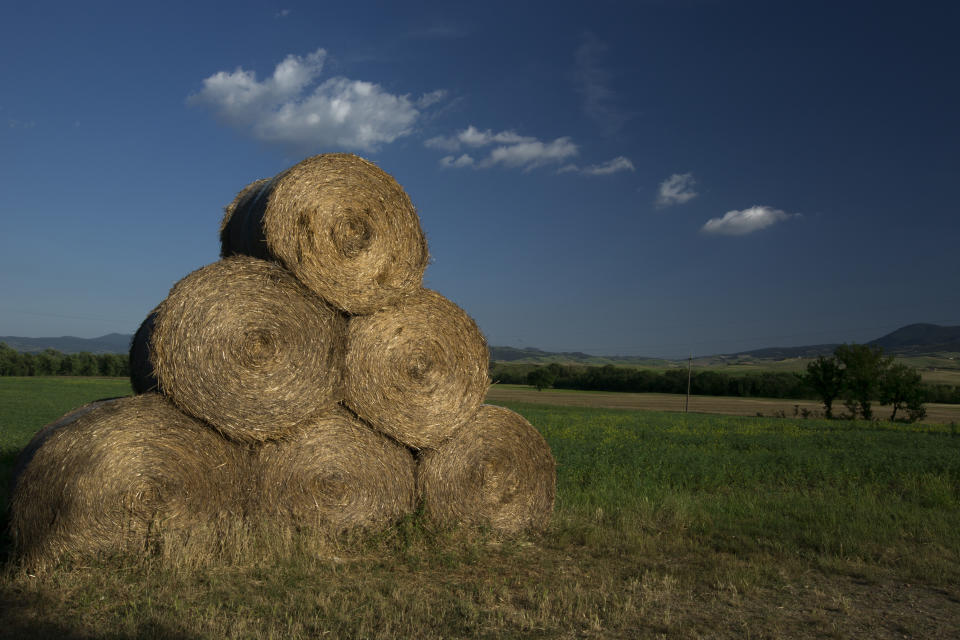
646	178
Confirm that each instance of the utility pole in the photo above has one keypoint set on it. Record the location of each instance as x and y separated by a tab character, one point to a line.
686	407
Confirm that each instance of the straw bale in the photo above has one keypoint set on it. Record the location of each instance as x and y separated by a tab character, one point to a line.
242	345
115	475
339	223
334	474
142	377
416	371
497	471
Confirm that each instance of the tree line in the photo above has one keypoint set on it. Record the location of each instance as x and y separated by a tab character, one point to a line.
51	362
855	374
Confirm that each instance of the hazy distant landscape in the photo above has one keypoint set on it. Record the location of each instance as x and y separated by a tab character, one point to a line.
913	340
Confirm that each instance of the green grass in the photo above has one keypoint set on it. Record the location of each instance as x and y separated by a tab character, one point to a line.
666	524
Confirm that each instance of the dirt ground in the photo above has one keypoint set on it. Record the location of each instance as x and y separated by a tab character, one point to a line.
938	413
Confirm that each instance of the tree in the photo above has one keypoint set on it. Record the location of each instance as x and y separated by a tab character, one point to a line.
900	387
863	369
541	377
825	377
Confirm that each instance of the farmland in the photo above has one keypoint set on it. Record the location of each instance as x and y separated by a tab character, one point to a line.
666	525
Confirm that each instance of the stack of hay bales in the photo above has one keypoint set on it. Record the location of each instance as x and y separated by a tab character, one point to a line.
305	380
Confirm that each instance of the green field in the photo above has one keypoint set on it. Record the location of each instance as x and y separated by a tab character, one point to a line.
666	525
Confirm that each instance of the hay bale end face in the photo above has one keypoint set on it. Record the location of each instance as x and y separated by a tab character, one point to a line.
114	474
242	345
416	371
340	224
333	475
497	471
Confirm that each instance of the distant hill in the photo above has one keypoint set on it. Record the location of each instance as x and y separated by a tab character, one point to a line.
537	356
920	339
110	343
911	340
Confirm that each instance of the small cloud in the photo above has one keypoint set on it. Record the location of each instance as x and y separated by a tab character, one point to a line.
463	161
432	98
569	168
514	150
282	109
531	154
20	124
620	163
283	13
443	144
738	223
677	189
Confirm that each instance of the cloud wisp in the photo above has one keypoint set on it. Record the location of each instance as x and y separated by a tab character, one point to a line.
505	148
593	83
744	221
677	189
338	112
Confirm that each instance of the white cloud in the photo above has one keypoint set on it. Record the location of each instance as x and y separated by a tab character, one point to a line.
513	150
283	13
676	189
430	99
338	112
620	163
533	154
443	143
463	161
593	82
569	168
738	223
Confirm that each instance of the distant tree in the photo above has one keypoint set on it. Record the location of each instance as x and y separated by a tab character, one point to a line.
825	377
901	388
863	370
541	378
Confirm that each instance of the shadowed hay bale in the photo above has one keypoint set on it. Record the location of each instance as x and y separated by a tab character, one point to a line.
113	476
416	371
332	475
340	224
243	346
496	471
142	377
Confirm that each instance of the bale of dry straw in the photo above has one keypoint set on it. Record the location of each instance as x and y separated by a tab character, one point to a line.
332	475
142	377
242	345
416	371
117	474
497	471
340	224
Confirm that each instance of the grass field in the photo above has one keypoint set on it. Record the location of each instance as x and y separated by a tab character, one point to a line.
666	525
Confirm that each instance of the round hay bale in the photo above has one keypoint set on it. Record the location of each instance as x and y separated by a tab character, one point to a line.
339	223
242	345
142	377
334	474
416	371
115	475
497	471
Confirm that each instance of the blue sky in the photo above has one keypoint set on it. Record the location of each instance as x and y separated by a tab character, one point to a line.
649	178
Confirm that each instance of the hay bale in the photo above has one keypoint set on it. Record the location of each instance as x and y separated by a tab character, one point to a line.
340	224
115	475
334	474
242	345
416	371
142	377
497	471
